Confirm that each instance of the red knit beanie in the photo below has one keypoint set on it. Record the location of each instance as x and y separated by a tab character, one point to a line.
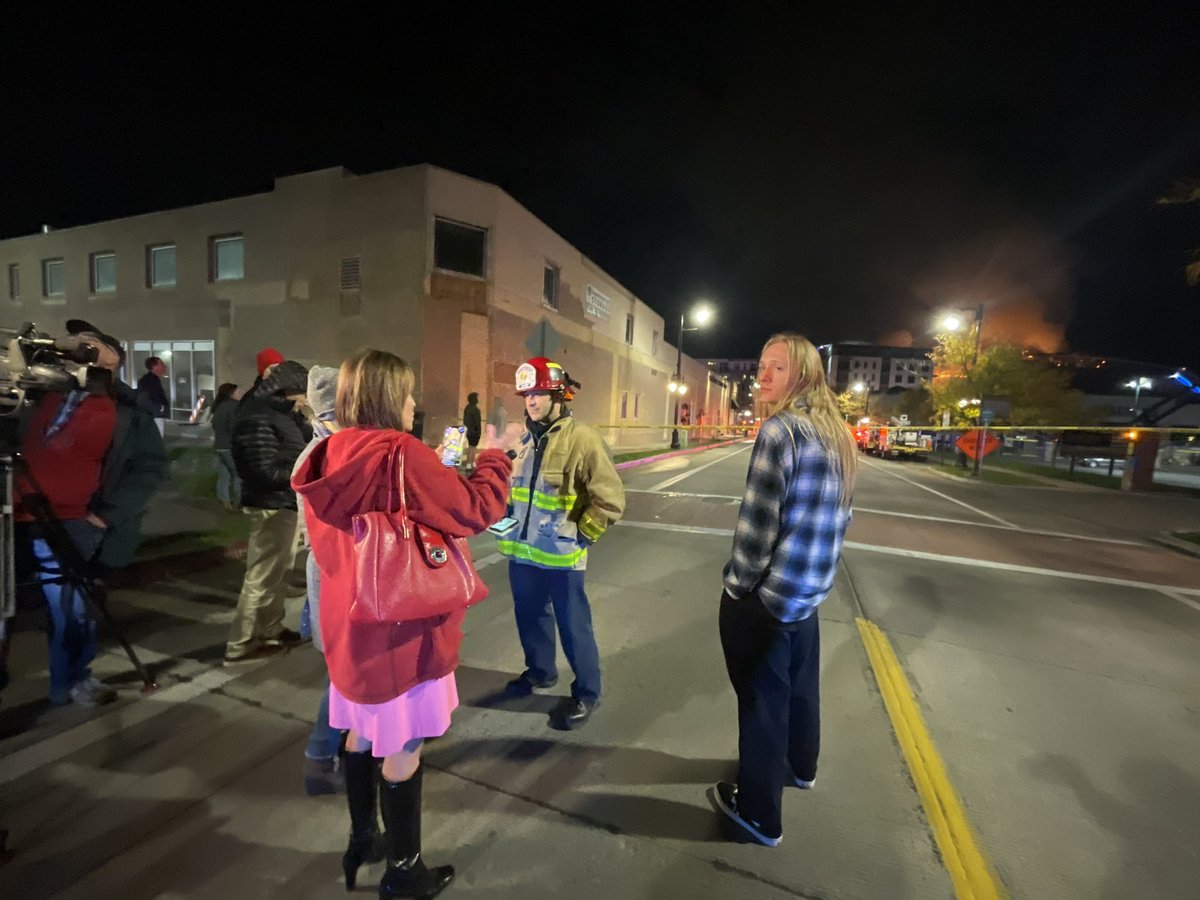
267	357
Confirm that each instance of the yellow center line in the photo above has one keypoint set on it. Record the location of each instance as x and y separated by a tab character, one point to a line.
971	873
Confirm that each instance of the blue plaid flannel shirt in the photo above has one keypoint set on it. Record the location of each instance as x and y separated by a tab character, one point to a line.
791	524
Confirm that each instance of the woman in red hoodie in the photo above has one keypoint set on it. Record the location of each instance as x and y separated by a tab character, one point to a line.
392	685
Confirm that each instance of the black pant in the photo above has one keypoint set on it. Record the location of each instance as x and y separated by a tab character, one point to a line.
775	669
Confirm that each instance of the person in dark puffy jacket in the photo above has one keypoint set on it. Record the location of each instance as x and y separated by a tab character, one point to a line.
268	436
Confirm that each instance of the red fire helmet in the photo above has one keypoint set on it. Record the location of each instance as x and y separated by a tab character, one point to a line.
540	374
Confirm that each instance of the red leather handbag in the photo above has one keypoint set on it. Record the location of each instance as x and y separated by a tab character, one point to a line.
404	570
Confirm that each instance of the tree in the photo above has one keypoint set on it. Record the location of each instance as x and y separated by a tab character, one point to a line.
1038	393
955	376
1186	192
851	405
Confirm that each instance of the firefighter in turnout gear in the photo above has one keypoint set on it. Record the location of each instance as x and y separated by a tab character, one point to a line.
565	495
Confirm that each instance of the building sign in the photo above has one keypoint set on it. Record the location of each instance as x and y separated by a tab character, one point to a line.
596	304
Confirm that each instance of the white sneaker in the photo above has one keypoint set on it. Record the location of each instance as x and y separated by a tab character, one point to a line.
92	692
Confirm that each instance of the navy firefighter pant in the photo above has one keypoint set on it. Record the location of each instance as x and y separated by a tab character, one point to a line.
775	670
543	597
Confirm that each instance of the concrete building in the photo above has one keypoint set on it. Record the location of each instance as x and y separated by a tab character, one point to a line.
448	272
740	375
879	367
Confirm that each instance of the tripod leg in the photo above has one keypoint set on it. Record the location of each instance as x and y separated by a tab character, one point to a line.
95	597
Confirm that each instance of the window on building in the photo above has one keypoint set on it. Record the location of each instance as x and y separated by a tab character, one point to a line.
654	339
629	329
550	286
637	404
227	258
160	265
459	248
624	404
54	278
104	272
14	281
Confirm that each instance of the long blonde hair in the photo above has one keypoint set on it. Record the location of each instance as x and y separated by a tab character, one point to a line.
812	401
373	386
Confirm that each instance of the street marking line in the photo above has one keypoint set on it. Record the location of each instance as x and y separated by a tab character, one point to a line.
675	479
925	487
684	494
685	529
1182	599
971	872
491	559
939	557
1043	532
1014	567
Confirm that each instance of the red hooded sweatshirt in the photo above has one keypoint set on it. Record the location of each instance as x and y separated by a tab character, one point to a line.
346	474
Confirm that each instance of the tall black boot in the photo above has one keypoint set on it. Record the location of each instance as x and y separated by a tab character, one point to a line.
407	875
366	843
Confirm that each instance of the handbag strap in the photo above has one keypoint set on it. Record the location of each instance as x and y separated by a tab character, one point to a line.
396	483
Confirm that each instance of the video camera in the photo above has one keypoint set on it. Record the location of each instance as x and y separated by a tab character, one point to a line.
33	361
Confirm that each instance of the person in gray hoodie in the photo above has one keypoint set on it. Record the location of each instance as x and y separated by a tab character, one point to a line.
322	774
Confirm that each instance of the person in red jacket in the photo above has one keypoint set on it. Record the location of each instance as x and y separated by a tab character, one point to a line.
391	685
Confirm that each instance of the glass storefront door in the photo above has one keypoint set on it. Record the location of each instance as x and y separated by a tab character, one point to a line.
190	378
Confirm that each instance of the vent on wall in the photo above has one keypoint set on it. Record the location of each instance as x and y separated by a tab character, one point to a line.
351	273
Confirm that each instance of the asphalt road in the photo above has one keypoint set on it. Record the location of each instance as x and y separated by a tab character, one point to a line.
1050	649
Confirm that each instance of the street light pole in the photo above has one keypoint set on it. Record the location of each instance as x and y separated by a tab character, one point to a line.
700	315
974	365
678	380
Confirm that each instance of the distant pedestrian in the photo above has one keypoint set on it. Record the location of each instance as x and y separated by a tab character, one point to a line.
393	683
473	422
153	395
785	552
267	438
224	415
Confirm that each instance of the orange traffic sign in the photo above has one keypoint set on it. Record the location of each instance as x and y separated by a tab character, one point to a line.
975	441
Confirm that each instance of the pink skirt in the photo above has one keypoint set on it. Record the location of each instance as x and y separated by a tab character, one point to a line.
420	712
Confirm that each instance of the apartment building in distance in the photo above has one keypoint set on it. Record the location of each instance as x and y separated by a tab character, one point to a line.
449	272
878	366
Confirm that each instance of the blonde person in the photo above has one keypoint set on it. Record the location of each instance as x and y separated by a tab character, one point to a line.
392	684
785	552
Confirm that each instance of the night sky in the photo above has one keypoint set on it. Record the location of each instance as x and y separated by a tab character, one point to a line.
846	178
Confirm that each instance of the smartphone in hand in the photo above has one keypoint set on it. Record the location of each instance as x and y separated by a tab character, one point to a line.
503	527
454	442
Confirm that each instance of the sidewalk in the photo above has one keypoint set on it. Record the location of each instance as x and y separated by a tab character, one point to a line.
196	791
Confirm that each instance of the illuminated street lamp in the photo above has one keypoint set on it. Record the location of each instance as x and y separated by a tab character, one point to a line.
860	388
702	314
1137	384
954	321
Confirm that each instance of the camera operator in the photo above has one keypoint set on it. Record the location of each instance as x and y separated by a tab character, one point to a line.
98	458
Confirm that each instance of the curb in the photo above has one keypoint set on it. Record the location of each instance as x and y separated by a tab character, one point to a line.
1168	540
629	464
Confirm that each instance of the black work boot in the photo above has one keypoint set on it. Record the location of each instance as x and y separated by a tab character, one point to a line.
407	875
366	843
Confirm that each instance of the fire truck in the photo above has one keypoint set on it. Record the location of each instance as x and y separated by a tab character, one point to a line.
893	441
